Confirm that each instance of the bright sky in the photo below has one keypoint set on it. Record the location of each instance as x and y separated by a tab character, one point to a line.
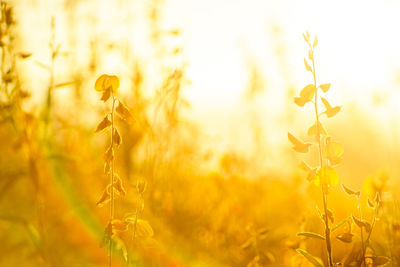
358	52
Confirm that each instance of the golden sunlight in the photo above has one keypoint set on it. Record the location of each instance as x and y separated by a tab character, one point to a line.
199	133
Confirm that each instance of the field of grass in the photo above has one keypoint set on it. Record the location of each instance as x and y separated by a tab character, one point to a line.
123	144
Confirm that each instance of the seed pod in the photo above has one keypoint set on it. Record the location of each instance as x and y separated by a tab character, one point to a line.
141	186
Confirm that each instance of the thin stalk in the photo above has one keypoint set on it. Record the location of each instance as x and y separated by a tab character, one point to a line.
137	213
324	197
362	235
4	31
112	177
50	89
135	223
3	56
370	232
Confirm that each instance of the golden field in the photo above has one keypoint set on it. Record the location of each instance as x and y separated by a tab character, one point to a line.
199	133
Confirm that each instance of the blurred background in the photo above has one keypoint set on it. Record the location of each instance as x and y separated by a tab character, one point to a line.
211	86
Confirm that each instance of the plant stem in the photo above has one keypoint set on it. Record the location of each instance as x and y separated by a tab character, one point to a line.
112	178
370	232
50	89
322	182
362	236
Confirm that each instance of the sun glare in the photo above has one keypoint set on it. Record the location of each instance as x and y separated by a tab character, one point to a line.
204	133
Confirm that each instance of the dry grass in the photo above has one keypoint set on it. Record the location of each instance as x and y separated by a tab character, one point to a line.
146	190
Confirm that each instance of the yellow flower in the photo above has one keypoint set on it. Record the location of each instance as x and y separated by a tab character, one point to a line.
105	82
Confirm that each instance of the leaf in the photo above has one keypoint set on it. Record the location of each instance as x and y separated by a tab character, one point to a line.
298	145
123	111
380	260
106	95
262	231
313	130
367	226
143	229
304	166
105	198
99	84
311	175
119	225
330	215
311	172
33	234
105	82
330	111
309	257
340	224
306	95
312	235
358	222
350	192
119	186
326	103
325	87
333	152
109	155
370	203
42	65
107	167
247	244
308	92
141	186
64	84
24	55
377	198
345	237
308	68
130	218
103	124
300	101
116	137
315	42
305	38
107	234
120	245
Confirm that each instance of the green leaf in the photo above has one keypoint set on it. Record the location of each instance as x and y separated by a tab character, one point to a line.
309	257
311	234
120	245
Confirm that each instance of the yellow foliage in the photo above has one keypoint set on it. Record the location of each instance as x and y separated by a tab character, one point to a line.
105	82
